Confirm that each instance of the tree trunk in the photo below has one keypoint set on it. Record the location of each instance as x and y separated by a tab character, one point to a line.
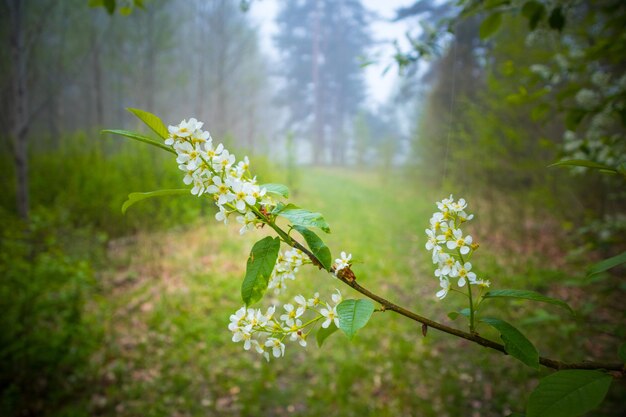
19	106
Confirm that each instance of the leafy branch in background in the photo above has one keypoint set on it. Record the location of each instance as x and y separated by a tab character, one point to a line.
213	173
584	79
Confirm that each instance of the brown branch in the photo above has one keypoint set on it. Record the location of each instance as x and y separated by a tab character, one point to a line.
350	280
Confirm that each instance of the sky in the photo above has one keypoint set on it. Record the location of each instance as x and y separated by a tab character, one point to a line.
380	86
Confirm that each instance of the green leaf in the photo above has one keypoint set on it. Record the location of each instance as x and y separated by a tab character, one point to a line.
140	138
490	25
301	217
621	352
568	393
278	189
584	163
573	118
534	12
135	197
109	5
527	295
317	246
152	121
557	19
515	343
323	333
259	268
607	264
353	315
455	314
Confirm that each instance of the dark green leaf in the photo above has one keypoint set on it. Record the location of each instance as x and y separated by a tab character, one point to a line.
323	333
301	217
607	264
490	25
140	138
568	393
317	246
515	343
527	295
573	118
556	19
152	121
453	315
109	5
534	12
278	189
353	315
584	163
135	197
259	269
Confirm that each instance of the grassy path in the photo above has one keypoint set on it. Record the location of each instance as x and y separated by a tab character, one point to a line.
168	297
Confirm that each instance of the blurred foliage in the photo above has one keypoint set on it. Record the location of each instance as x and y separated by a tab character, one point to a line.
86	178
46	339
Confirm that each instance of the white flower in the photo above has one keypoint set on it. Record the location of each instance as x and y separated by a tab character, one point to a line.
248	221
297	334
432	240
315	301
444	205
245	334
188	155
464	272
292	314
445	287
241	194
221	190
330	313
460	242
342	262
336	297
223	161
237	319
185	128
222	215
261	349
302	304
278	348
447	265
438	224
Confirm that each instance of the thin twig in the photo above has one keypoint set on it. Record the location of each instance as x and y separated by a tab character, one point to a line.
472	337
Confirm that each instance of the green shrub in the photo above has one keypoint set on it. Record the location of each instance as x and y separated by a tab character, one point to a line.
45	340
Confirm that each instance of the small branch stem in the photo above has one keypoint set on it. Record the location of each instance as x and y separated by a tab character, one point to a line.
472	337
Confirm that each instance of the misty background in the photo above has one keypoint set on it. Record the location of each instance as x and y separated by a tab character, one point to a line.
370	111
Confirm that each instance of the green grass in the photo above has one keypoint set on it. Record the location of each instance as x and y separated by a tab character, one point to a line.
168	297
158	312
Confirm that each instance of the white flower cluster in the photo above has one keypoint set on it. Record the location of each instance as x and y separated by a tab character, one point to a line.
287	265
267	331
600	135
450	248
213	170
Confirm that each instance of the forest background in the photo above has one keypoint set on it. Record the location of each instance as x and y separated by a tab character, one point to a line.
112	314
